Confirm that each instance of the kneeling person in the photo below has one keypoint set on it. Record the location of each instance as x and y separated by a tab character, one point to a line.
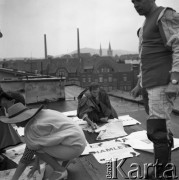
95	106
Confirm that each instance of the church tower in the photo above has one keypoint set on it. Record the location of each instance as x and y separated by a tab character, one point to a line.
109	53
100	51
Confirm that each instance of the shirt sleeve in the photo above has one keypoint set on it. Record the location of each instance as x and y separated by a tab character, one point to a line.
169	29
27	156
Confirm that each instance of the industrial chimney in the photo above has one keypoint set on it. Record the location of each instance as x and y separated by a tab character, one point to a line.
78	42
45	46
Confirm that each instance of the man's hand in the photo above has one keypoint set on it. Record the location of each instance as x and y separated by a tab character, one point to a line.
36	167
172	91
93	125
135	91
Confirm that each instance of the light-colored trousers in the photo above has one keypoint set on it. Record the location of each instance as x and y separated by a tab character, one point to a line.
160	106
63	152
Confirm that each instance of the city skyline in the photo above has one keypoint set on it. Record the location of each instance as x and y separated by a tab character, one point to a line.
24	23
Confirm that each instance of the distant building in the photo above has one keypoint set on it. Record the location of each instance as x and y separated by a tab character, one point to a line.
110	52
100	51
82	55
84	70
9	74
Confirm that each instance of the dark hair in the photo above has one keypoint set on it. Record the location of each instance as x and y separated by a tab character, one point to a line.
93	86
13	95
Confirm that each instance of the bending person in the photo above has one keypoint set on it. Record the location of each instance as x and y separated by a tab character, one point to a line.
94	106
49	135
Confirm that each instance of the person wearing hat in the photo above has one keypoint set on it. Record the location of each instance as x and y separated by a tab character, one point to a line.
7	99
8	135
49	134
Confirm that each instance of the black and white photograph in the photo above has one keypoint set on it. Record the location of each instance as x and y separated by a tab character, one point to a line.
80	73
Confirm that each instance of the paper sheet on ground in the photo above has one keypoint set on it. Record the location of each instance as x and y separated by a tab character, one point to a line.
20	130
15	154
110	151
73	116
70	113
138	140
128	120
7	174
113	129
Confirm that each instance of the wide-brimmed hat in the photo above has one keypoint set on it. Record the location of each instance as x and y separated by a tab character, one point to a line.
19	113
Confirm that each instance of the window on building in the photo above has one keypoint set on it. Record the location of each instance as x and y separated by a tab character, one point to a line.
129	88
110	88
105	88
108	70
84	79
100	79
89	79
109	79
124	78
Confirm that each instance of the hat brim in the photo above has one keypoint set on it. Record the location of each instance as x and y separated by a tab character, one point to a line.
28	114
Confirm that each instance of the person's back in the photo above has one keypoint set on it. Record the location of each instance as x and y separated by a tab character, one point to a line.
51	127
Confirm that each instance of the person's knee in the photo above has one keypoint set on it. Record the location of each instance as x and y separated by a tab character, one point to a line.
157	130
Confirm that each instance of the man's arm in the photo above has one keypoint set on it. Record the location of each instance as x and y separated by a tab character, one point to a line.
169	30
20	169
24	161
88	120
137	88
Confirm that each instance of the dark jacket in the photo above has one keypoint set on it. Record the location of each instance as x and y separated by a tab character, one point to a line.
95	110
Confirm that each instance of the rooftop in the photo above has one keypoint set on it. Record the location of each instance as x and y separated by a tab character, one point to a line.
87	167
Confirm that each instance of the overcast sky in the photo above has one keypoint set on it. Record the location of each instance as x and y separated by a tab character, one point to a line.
24	23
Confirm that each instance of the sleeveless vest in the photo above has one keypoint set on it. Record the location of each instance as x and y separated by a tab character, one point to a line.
155	57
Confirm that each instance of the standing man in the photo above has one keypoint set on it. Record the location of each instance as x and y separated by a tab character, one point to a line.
159	54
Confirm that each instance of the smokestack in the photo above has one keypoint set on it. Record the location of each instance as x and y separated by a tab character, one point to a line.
78	42
45	46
